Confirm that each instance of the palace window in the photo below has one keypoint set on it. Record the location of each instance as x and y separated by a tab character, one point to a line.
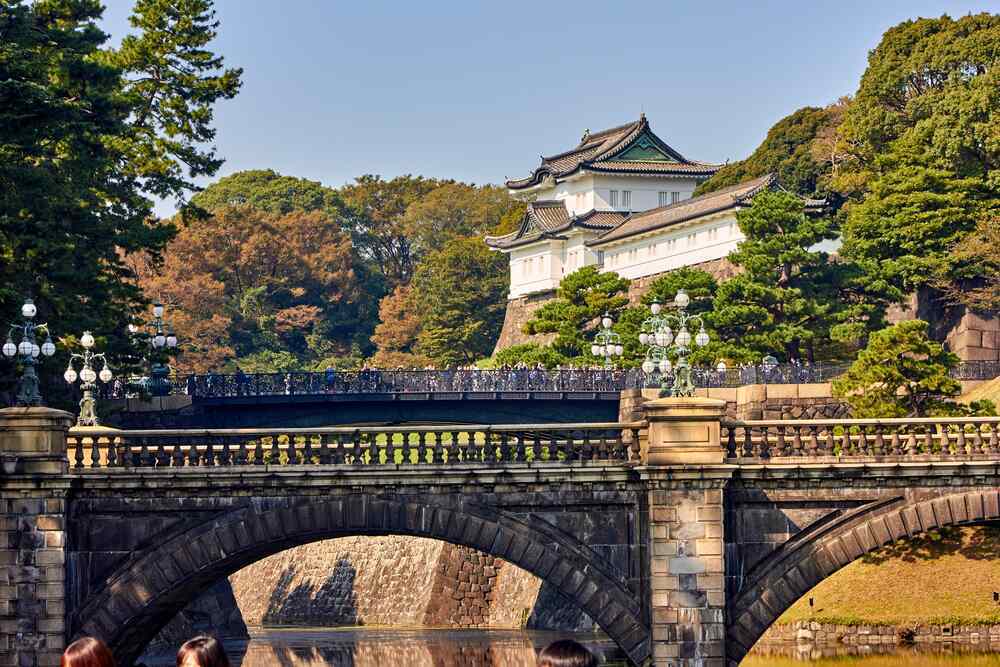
626	199
664	198
613	200
713	233
675	197
691	238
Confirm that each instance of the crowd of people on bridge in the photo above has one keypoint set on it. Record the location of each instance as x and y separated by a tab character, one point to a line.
205	651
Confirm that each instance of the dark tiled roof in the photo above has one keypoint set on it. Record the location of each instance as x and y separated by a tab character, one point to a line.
549	218
688	209
597	150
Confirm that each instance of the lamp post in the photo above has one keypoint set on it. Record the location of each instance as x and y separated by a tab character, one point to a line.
161	338
607	343
88	379
29	351
658	333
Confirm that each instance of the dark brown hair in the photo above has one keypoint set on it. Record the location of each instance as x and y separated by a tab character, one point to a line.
207	652
87	652
566	653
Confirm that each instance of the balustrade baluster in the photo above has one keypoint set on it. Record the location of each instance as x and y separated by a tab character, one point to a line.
145	458
437	447
470	447
879	441
293	450
797	449
961	447
845	442
504	446
373	450
830	447
407	448
730	440
910	448
209	459
928	440
390	448
992	426
161	458
258	451
78	453
274	457
521	452
978	444
307	452
193	455
242	455
359	454
453	449
635	450
113	458
587	449
489	447
225	451
603	448
748	447
95	450
762	449
422	448
895	446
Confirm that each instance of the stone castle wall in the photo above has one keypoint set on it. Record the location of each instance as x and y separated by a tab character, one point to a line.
823	640
391	581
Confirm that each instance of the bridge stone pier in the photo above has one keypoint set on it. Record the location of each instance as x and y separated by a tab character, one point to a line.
684	536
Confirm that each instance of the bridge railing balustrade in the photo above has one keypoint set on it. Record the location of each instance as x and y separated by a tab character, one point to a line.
483	445
926	438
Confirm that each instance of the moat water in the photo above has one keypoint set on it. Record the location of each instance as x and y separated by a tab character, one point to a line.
393	647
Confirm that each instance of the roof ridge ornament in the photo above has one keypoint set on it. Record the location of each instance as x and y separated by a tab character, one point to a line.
586	135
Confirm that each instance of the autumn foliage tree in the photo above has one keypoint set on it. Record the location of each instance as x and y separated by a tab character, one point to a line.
246	284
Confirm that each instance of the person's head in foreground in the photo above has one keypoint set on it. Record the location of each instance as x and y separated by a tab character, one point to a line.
202	651
87	652
566	653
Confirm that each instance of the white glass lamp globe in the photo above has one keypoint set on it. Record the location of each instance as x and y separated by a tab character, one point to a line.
159	340
655	307
132	328
643	338
157	310
24	348
69	376
682	299
619	350
48	347
35	351
661	339
606	322
666	366
701	340
648	367
595	350
683	338
28	310
105	374
87	340
171	340
9	349
721	367
88	375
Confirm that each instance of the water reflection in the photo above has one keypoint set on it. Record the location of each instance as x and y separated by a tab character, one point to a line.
370	647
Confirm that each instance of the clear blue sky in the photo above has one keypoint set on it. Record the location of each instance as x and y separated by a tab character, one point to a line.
477	90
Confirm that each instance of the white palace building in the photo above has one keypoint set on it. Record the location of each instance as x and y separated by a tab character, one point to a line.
622	200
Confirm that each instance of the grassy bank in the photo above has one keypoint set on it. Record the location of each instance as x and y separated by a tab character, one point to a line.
943	577
893	660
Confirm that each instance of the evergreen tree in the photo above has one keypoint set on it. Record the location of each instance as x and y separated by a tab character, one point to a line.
462	292
574	315
902	373
785	300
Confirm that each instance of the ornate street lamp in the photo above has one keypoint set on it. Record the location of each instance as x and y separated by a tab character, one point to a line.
607	343
658	333
29	351
161	337
88	379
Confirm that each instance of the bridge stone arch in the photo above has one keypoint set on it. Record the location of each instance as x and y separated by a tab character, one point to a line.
145	593
821	550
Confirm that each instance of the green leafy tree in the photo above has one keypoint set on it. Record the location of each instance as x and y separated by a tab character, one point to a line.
528	354
453	210
785	300
267	190
789	151
574	314
922	134
462	292
375	217
171	82
903	373
700	286
981	252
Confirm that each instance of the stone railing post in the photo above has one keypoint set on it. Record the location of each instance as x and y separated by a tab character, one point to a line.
33	493
684	466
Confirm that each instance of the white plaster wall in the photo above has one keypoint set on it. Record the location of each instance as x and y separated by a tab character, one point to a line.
645	190
674	248
535	268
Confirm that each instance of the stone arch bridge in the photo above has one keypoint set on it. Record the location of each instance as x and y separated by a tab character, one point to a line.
683	536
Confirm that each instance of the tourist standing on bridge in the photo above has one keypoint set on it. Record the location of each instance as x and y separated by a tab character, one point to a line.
87	652
202	651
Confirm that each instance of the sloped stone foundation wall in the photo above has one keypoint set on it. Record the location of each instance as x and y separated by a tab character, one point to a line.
377	581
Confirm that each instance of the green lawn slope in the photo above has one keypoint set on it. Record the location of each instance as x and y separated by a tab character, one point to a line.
946	577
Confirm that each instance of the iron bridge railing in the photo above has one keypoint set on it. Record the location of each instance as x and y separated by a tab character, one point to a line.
486	445
240	385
